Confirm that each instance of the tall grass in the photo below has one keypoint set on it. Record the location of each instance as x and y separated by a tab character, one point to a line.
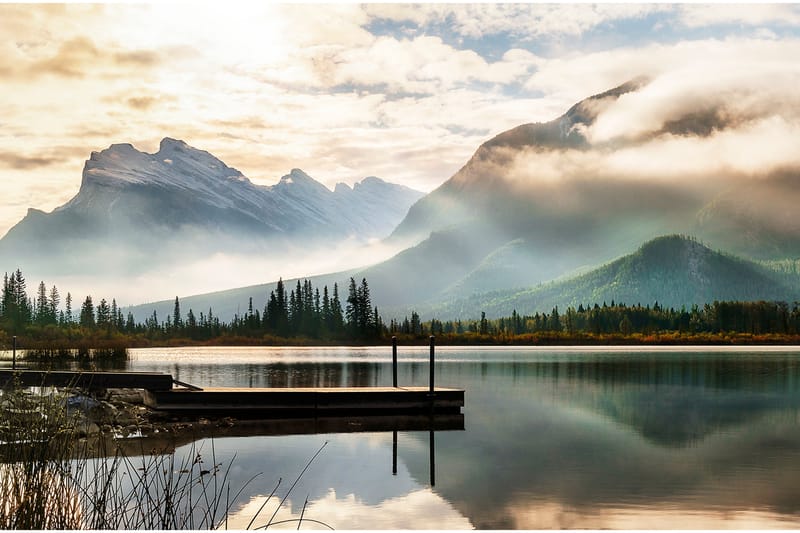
51	479
36	486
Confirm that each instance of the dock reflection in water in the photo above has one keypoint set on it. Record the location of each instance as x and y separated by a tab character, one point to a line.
568	438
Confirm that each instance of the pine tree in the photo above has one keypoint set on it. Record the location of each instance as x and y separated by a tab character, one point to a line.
191	323
103	315
352	308
176	315
294	314
376	323
87	313
325	314
365	322
6	297
53	302
41	308
271	313
16	304
415	327
68	309
554	323
282	317
336	312
250	315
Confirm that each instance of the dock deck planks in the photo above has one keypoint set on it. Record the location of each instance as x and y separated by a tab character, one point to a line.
317	401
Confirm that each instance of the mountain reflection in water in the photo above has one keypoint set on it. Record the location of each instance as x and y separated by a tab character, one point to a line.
574	438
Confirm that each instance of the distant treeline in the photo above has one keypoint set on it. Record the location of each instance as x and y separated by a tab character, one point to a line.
304	314
619	320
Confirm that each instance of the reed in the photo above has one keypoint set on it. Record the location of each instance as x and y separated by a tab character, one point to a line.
52	479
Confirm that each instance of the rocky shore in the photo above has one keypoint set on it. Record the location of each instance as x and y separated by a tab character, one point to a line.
122	414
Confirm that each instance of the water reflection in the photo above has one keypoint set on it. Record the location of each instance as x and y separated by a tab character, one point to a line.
642	436
617	439
418	509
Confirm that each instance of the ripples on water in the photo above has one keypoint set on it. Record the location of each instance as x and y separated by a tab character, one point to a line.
555	438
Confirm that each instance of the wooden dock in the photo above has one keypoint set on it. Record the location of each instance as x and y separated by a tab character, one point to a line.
87	380
287	402
162	394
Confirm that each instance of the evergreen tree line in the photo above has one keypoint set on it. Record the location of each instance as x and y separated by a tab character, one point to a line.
307	312
757	318
300	312
18	311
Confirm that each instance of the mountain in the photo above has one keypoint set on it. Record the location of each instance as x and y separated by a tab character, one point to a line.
757	220
507	185
674	271
544	200
135	210
551	200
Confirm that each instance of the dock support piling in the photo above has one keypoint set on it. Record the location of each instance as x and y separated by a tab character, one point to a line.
431	364
432	465
394	361
394	452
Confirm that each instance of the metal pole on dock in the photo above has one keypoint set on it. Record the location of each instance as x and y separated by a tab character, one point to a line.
394	361
14	352
433	339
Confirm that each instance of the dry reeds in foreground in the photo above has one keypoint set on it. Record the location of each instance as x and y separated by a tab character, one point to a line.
51	479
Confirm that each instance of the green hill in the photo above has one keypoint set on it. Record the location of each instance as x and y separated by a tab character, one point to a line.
672	270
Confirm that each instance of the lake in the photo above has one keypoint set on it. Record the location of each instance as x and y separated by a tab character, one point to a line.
630	438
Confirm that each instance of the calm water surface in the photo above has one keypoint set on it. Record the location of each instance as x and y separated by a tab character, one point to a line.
556	438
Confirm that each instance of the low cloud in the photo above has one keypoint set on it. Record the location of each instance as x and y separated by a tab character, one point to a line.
757	149
73	59
707	110
146	102
22	162
735	88
199	276
77	58
137	57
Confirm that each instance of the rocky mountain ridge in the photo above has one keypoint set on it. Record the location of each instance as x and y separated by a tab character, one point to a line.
181	203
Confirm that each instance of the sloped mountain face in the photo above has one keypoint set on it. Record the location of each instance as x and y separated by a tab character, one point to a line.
757	220
491	188
181	200
500	204
674	271
542	201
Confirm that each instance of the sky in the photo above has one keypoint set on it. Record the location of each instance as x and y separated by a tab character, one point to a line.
405	92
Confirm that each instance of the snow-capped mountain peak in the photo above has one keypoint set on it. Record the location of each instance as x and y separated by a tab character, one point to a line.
142	201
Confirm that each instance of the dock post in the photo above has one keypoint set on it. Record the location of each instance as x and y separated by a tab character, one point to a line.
394	361
432	463
14	352
431	364
394	452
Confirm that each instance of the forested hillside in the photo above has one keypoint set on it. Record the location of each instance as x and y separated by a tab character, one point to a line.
675	271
